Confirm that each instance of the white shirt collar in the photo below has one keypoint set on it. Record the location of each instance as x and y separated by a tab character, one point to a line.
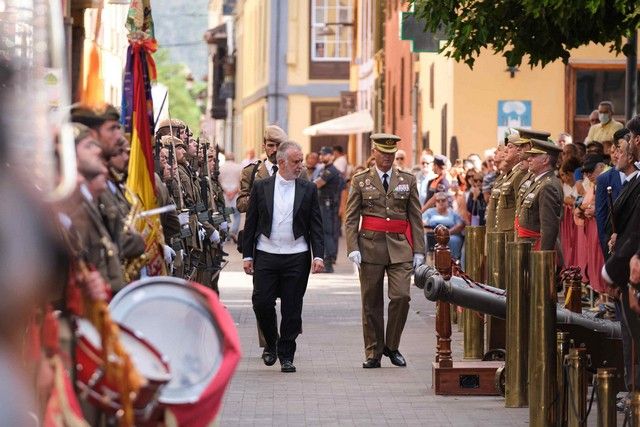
631	175
537	177
380	173
281	181
86	193
269	166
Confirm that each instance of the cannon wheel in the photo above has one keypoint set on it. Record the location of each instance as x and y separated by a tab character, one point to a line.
495	355
500	381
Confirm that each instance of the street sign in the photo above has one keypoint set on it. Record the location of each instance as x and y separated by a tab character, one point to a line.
413	30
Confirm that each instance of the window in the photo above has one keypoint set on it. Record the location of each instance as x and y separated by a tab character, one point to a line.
586	85
331	30
593	86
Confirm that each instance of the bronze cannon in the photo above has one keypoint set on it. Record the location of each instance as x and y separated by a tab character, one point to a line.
493	301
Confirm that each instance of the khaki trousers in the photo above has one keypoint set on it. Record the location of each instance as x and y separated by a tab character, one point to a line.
371	288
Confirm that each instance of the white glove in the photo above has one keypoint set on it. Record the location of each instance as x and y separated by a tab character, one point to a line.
183	218
355	257
215	237
169	253
201	233
418	260
224	226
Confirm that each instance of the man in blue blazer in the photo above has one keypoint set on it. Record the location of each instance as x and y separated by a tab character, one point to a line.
612	178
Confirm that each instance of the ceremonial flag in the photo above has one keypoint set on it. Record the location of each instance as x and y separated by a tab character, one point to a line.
91	83
137	119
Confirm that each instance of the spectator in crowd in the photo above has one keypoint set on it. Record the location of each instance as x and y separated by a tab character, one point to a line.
604	130
459	200
476	202
249	158
590	261
230	174
593	118
564	139
476	160
613	179
442	214
439	183
340	160
568	151
400	161
426	174
567	225
313	165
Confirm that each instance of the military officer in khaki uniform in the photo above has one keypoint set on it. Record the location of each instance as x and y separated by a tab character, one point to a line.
389	240
506	190
272	138
540	211
523	144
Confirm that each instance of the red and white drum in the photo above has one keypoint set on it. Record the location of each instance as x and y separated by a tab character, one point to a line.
90	379
178	320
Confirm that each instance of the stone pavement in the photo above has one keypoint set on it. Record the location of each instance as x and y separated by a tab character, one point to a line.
330	386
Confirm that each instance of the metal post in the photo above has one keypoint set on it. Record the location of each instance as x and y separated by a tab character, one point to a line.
607	416
577	404
474	321
562	350
542	336
634	409
496	241
517	324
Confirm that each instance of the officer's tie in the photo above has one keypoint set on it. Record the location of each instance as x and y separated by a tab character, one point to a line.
385	183
274	168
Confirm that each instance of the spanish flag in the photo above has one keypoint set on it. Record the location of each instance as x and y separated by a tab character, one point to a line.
137	118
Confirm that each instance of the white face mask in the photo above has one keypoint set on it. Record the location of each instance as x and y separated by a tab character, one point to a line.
604	118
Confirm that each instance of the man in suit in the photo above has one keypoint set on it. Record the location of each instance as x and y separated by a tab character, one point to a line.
389	240
283	227
623	244
611	178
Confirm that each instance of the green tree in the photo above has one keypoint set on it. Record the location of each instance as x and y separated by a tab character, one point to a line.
545	30
182	94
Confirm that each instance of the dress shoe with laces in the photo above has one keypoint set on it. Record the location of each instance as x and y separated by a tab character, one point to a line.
371	363
269	357
287	366
395	357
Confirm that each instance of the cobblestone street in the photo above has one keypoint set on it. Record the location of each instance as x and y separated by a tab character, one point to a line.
330	387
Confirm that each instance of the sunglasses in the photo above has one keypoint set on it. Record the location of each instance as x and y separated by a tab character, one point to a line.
399	158
441	200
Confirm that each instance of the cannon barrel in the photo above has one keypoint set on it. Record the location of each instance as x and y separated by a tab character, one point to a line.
493	301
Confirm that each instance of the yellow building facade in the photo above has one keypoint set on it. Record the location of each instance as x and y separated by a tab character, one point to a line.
290	69
464	107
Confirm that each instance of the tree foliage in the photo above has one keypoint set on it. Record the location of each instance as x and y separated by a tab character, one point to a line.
545	30
182	97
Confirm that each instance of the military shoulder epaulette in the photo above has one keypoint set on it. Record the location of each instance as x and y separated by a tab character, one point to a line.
405	172
361	172
252	164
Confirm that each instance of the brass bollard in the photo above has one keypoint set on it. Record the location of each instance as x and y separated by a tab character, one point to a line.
607	416
634	409
517	324
496	259
474	321
577	404
562	350
542	337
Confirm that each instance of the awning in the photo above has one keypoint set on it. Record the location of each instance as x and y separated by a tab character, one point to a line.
358	122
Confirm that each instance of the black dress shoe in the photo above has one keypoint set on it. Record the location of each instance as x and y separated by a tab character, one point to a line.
287	366
269	357
395	357
371	363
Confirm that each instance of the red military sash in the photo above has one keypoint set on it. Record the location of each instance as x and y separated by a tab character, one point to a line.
374	223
